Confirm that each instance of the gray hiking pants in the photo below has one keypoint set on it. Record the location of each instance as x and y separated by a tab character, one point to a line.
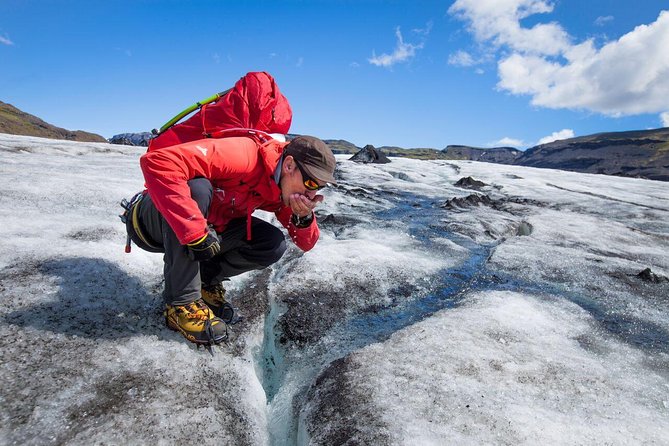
185	277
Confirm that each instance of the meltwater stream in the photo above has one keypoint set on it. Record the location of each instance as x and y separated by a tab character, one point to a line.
287	372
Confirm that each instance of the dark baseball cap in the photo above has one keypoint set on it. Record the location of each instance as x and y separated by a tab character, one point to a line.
314	156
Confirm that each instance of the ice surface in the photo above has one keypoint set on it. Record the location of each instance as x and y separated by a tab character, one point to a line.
511	368
85	357
577	240
526	306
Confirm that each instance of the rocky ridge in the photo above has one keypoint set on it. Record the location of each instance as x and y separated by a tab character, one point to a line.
502	155
643	154
131	139
16	122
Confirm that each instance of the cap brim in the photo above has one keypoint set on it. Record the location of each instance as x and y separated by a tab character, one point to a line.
319	174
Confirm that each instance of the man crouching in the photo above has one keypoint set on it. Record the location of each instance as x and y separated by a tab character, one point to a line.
197	209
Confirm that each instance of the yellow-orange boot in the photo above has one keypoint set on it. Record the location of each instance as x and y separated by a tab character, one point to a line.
197	322
214	297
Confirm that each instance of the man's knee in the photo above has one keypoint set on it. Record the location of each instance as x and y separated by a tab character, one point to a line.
270	245
277	252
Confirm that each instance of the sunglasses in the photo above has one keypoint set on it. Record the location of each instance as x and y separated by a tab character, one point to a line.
309	182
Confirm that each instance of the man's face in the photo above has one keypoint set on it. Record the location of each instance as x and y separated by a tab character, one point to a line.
292	181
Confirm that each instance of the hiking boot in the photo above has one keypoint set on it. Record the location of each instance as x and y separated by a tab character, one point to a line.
196	322
214	297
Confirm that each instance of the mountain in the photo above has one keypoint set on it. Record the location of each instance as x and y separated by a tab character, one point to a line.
16	122
494	154
502	155
341	147
413	153
642	153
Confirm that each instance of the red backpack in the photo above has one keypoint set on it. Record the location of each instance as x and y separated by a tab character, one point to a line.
253	106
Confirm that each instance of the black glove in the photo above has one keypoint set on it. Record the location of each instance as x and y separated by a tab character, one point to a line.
302	222
204	248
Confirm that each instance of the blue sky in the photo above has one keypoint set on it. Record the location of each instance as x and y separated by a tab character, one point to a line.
406	73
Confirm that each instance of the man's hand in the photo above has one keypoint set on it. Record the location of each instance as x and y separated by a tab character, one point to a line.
303	206
204	248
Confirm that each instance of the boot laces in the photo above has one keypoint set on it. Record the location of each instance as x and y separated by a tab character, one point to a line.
195	310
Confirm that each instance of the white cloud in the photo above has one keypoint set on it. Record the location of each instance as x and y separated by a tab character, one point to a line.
300	61
498	22
461	59
624	77
665	119
556	136
5	40
508	142
603	20
216	57
424	31
403	52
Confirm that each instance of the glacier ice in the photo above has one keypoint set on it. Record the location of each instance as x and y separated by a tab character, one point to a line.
520	319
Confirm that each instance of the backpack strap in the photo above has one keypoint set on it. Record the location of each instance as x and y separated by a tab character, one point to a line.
258	135
204	121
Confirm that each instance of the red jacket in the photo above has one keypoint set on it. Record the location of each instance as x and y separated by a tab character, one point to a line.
241	171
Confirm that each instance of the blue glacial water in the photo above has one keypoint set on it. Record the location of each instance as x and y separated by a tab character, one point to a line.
287	367
423	218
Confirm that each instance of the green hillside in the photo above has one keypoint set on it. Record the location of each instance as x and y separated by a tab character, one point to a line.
17	122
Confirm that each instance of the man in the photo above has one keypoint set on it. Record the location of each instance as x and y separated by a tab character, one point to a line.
197	209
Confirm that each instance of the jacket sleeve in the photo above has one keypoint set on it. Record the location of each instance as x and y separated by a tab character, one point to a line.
304	238
168	170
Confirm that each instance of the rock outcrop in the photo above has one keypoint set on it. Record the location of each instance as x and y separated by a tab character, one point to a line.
369	154
131	139
470	183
